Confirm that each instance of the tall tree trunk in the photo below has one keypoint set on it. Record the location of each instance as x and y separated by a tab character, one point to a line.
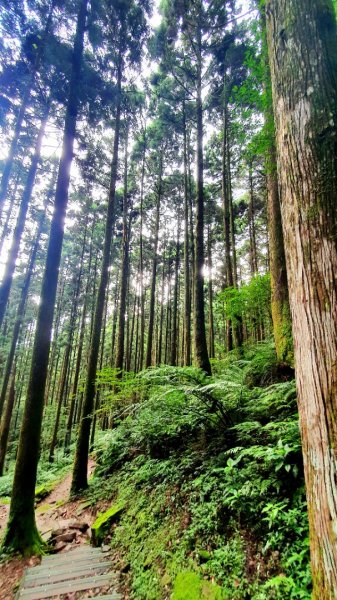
22	111
251	225
280	308
20	313
210	298
21	533
80	478
7	279
67	352
6	423
141	259
125	270
5	228
187	275
161	317
132	331
225	192
174	340
226	204
148	360
200	344
302	42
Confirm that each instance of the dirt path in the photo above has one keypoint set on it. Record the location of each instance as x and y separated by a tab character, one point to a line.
53	512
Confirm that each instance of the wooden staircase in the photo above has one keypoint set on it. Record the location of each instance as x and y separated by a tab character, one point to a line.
77	572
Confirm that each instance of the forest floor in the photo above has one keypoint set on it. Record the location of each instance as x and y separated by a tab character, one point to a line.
53	512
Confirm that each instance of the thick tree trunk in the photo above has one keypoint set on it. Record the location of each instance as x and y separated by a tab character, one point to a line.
280	308
21	533
7	279
200	344
302	41
80	481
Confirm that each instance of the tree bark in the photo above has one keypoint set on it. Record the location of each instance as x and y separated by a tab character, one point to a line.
251	225
200	344
187	275
22	112
80	478
148	360
174	339
210	298
7	279
20	313
21	534
125	270
6	422
302	42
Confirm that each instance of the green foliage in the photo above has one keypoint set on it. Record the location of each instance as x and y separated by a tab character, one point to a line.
48	475
249	304
195	460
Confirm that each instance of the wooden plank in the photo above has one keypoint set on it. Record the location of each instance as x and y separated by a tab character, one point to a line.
52	577
70	564
72	559
114	596
65	567
48	591
87	551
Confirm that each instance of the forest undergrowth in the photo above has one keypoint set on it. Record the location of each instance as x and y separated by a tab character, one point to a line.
210	473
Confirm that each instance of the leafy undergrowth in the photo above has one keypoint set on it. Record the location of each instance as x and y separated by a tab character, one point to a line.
48	475
210	471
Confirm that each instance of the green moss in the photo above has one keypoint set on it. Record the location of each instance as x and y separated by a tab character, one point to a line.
22	536
44	508
204	555
5	500
189	586
43	490
103	523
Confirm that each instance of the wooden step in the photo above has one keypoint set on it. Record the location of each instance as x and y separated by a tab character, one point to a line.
60	567
35	579
53	589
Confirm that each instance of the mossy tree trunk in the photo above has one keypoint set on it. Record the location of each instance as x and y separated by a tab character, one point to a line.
21	534
302	43
280	308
